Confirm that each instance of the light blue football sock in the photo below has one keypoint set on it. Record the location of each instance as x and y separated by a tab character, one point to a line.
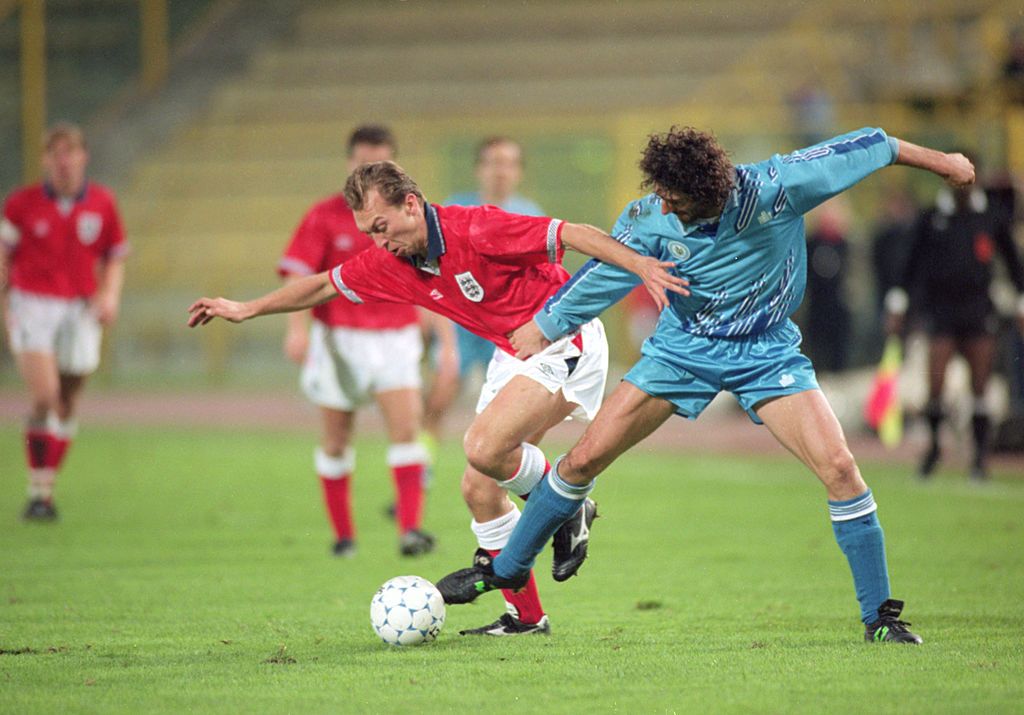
551	503
855	524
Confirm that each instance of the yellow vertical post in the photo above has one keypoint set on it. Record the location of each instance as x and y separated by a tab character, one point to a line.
154	43
33	85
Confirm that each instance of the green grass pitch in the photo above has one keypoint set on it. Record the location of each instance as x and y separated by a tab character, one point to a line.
190	572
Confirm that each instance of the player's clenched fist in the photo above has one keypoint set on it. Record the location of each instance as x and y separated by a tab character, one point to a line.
206	309
961	172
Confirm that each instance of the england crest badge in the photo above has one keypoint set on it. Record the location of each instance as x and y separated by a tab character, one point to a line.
89	226
469	287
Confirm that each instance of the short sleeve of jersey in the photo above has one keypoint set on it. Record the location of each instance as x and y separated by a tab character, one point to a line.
514	238
305	253
813	175
10	223
361	279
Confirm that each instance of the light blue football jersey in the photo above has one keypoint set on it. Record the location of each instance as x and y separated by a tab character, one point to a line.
747	268
514	204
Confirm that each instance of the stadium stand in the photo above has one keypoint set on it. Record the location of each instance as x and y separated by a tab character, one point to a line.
579	82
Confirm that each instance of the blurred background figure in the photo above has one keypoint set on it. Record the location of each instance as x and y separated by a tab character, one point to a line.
1013	67
946	281
827	334
813	111
61	272
499	171
890	241
354	354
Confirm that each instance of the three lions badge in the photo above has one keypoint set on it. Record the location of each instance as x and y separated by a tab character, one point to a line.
89	226
469	287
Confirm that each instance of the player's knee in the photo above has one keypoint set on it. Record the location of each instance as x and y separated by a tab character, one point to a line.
42	405
840	469
482	453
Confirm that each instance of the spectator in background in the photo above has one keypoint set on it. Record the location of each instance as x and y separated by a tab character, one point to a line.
1013	67
499	171
813	111
947	277
890	242
62	252
828	317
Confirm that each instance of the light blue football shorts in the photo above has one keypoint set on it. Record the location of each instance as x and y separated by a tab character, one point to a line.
689	370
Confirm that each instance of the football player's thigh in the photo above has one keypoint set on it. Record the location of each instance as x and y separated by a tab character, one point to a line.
39	371
627	416
520	409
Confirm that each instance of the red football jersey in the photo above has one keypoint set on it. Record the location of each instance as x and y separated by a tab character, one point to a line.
487	270
326	237
54	243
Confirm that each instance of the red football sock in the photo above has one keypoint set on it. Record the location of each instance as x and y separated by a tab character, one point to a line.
339	505
58	450
409	488
526	600
38	448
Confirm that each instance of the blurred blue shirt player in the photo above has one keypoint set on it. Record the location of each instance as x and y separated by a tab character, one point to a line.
499	170
736	233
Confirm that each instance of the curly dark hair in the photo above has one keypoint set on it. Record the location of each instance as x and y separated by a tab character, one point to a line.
690	163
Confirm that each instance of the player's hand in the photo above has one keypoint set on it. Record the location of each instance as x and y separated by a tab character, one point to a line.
657	279
206	309
528	340
105	308
961	171
296	344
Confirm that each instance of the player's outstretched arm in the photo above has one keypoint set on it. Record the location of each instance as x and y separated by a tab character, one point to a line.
654	273
955	168
297	295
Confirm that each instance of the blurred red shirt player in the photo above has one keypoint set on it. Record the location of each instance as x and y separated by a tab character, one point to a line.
352	354
61	268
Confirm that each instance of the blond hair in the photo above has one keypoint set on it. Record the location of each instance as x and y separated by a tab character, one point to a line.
387	177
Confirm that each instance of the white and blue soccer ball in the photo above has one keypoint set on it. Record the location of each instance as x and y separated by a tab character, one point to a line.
407	610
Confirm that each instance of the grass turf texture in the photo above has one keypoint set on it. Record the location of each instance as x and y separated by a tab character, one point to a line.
191	571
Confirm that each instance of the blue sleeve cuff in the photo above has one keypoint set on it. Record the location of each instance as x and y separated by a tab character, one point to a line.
548	326
894	145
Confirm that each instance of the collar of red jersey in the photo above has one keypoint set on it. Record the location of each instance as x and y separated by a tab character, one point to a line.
52	194
435	236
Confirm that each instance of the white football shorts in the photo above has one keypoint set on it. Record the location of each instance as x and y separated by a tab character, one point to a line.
346	367
581	376
63	327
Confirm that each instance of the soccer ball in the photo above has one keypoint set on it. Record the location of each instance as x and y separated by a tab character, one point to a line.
407	610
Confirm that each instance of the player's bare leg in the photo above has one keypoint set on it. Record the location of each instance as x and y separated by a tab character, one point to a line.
625	418
407	458
44	444
980	353
628	416
444	390
805	425
941	349
335	462
514	430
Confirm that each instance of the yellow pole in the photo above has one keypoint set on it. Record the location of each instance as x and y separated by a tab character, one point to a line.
155	52
33	85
